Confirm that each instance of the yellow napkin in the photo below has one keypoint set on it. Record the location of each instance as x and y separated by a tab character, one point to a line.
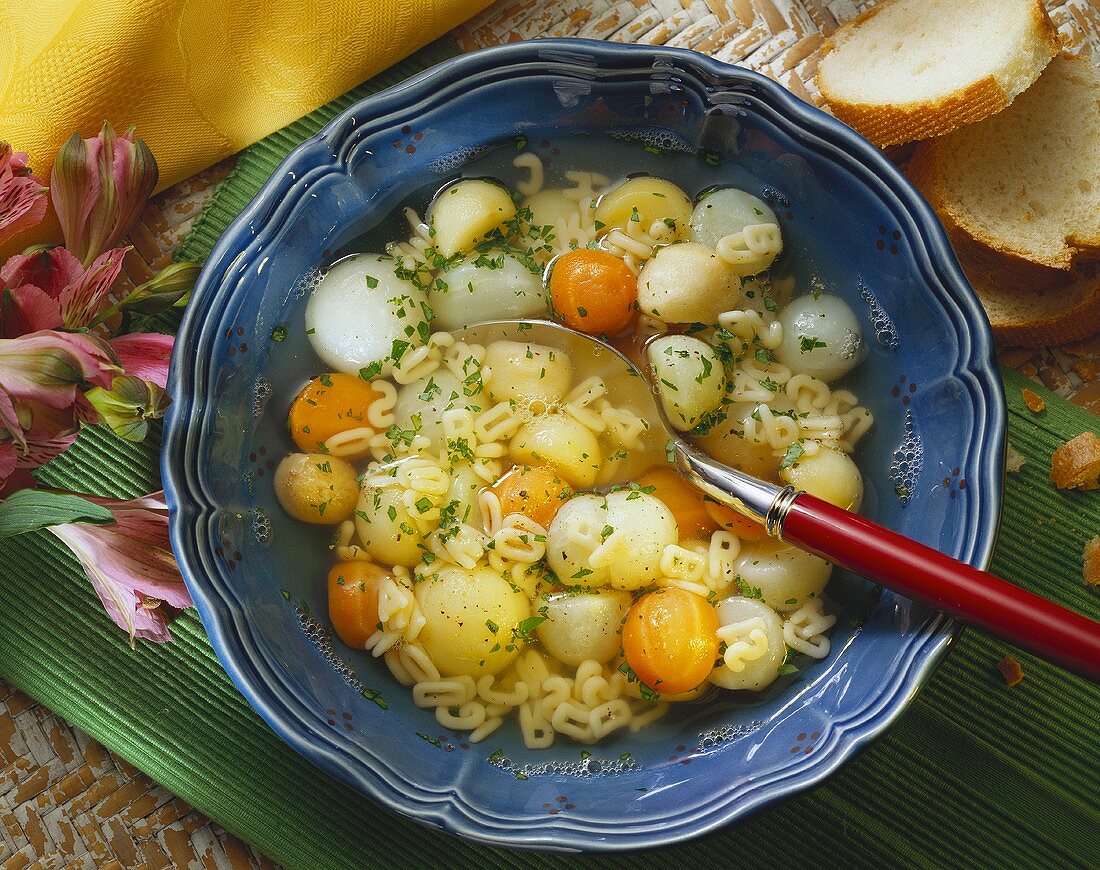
200	79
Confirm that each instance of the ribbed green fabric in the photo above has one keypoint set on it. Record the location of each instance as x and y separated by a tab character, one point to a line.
974	774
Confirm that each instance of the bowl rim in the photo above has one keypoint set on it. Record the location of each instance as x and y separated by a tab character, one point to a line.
239	655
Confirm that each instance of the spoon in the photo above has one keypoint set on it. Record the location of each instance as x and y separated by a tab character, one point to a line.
844	538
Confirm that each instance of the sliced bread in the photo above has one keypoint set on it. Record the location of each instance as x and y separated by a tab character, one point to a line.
913	69
1026	181
1042	317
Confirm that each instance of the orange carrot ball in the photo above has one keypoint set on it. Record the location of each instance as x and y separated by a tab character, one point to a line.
593	291
328	405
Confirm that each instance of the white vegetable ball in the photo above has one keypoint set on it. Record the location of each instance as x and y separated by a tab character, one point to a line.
525	372
420	405
571	538
584	625
386	528
470	621
560	441
351	321
499	288
724	211
691	377
821	337
638	529
786	576
463	213
830	475
726	442
316	488
760	672
687	283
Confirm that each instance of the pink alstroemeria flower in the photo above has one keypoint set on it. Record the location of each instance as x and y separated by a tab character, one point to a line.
130	564
50	289
46	433
99	187
145	355
22	195
42	405
49	367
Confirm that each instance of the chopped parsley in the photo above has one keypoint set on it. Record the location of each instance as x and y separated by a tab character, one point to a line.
794	453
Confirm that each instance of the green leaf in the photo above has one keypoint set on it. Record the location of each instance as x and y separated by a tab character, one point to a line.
31	509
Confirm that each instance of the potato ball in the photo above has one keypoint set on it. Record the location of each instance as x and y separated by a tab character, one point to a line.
316	488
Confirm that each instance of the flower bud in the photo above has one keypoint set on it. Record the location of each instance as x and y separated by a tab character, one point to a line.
99	187
129	406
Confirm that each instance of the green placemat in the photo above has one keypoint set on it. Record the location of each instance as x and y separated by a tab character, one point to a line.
973	774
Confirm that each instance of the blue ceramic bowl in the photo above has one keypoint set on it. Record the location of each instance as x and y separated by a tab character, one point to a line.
932	462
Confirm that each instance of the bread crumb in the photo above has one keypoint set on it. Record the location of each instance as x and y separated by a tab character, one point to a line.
1033	400
1010	669
1076	464
1091	560
1014	460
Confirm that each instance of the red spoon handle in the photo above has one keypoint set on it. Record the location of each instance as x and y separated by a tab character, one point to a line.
962	591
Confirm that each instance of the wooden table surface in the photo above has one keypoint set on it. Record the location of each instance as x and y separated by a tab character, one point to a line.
65	800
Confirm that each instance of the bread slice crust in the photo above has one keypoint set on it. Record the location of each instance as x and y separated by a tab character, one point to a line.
1043	317
894	123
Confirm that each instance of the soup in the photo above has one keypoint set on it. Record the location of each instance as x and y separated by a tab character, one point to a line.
510	538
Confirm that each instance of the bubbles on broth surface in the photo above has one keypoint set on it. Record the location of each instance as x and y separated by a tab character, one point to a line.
585	768
320	636
454	160
770	195
306	284
886	333
654	137
907	462
261	392
726	733
261	527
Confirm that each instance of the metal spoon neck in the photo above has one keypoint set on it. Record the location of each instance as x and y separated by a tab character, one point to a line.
760	500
